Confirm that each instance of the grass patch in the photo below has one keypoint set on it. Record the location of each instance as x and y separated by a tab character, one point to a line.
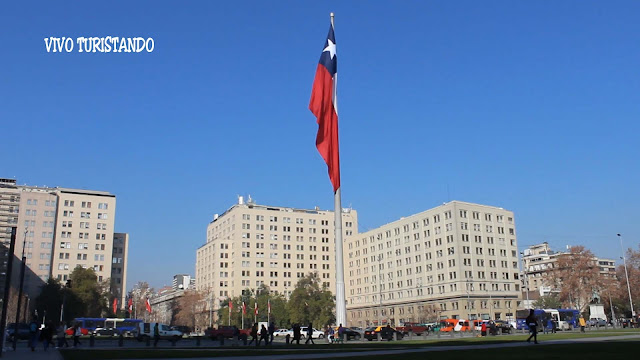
582	351
565	349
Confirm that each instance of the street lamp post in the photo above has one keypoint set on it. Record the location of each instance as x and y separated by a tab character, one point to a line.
379	292
469	285
626	274
526	279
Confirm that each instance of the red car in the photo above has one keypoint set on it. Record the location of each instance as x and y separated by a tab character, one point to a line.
84	331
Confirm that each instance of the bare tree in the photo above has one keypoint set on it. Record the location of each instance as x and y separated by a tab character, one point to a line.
576	275
189	309
428	313
140	293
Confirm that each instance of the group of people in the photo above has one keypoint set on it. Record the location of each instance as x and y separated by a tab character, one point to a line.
266	334
45	334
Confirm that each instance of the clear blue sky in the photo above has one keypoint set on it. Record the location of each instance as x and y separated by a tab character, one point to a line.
528	105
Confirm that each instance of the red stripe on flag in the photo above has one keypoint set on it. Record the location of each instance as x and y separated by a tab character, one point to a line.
321	105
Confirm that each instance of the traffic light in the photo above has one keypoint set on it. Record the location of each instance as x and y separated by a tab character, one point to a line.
69	283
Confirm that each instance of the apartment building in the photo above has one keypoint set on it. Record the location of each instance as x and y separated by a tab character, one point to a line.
250	245
60	229
84	232
458	260
9	209
539	259
119	267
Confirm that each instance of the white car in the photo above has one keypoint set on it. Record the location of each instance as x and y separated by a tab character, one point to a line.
317	334
283	333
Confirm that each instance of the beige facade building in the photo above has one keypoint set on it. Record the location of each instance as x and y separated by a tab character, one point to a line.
539	259
84	232
250	245
458	260
61	229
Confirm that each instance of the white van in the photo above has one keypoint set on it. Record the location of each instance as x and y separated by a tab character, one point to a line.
145	330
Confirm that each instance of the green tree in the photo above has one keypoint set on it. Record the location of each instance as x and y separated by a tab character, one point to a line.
548	302
310	302
86	287
52	296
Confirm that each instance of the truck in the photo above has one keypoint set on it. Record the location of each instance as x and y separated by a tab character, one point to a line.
145	330
227	333
415	328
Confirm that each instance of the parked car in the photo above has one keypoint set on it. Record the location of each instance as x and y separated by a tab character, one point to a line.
23	331
597	322
317	334
226	332
185	330
106	332
283	333
503	327
414	328
348	334
371	333
70	330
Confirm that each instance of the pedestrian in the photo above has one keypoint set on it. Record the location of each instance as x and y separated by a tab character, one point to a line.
309	334
60	334
156	335
254	334
483	329
296	333
46	335
77	332
272	330
340	333
554	326
33	334
531	321
331	334
388	332
582	324
264	334
236	335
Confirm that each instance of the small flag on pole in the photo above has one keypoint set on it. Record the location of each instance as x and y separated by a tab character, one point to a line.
115	305
147	304
244	308
324	105
269	306
130	304
255	310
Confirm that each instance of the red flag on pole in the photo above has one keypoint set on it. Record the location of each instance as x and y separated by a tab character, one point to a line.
230	306
255	309
269	306
244	308
130	304
115	305
148	305
324	105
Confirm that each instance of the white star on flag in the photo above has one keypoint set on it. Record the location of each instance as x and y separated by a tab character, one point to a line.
331	48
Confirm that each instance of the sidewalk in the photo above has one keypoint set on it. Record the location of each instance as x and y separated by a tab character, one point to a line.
22	352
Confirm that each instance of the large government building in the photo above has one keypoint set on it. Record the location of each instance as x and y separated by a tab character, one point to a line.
250	245
458	260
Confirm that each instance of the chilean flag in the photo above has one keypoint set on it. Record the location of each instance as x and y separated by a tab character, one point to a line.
148	305
130	304
324	105
115	305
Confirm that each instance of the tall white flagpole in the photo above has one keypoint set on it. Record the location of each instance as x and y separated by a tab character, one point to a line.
341	305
